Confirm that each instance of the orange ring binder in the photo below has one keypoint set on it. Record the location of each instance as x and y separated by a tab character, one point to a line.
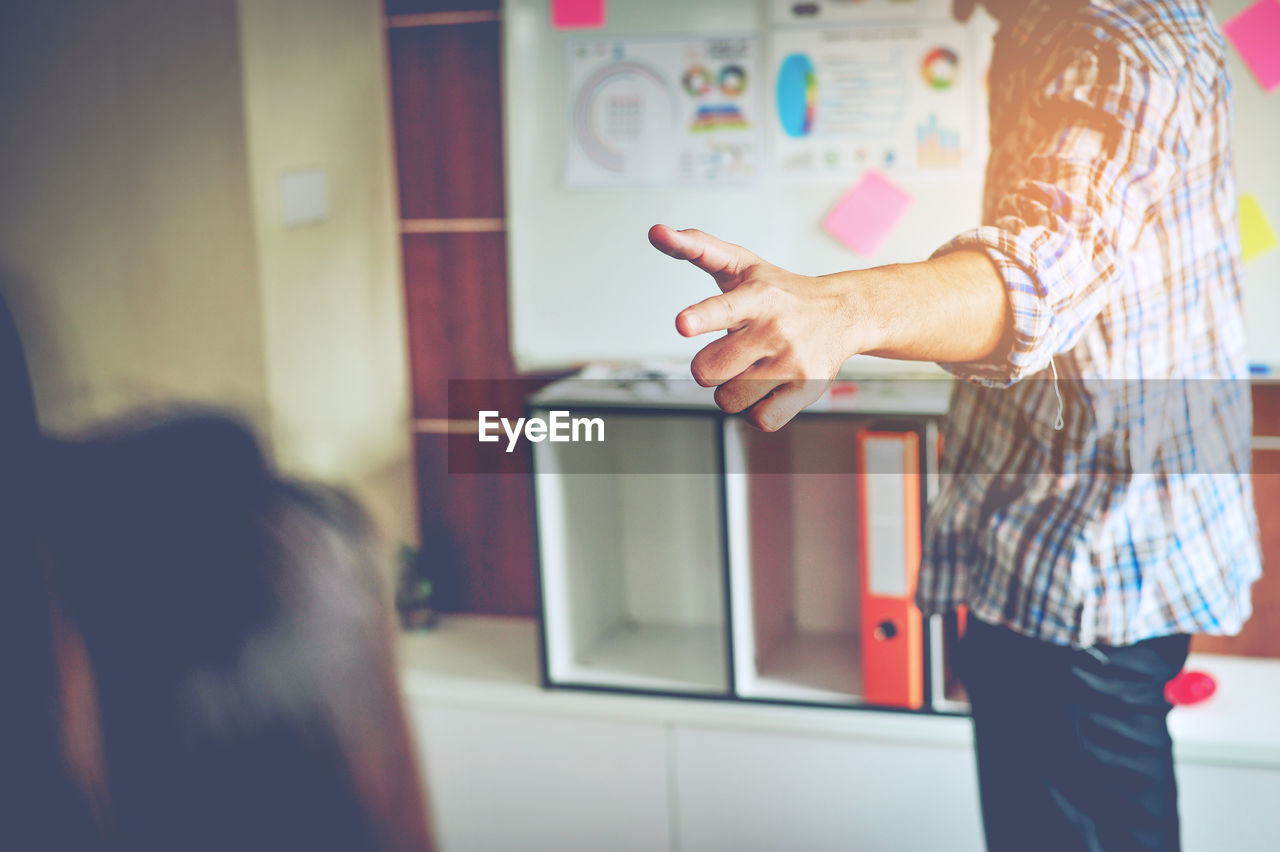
889	536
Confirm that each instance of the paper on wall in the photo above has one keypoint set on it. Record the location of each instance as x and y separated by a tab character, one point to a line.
867	214
1256	235
578	14
651	112
902	99
859	11
1255	34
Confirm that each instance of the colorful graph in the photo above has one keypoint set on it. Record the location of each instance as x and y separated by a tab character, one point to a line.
719	117
797	95
696	81
936	146
939	68
619	112
732	80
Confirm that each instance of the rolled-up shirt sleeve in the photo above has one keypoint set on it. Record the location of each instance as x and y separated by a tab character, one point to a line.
1102	152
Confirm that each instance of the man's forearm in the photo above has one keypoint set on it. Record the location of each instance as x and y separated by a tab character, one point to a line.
954	308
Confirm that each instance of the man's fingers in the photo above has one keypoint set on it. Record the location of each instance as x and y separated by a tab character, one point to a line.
753	385
725	359
765	399
725	262
727	312
784	403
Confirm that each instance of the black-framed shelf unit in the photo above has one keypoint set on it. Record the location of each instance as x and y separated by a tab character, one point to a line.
688	554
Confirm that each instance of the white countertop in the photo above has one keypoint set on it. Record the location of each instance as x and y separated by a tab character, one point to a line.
492	662
871	395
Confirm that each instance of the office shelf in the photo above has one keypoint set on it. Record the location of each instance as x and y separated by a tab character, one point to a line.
689	554
632	563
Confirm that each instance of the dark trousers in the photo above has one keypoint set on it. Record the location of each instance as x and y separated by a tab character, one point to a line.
1073	750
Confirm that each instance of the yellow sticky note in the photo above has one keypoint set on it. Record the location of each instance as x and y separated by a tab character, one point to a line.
1256	235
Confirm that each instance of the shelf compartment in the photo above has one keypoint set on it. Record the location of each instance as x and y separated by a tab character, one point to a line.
794	550
810	667
633	563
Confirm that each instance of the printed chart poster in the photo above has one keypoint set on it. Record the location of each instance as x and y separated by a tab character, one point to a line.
858	11
653	112
902	99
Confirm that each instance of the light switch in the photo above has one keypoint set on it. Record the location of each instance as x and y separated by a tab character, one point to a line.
304	197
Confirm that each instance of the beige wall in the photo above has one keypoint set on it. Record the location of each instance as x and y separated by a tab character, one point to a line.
315	97
141	245
126	248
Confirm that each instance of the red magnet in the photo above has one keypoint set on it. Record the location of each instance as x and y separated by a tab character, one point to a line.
843	388
1189	688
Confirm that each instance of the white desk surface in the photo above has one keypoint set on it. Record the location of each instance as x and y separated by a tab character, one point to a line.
492	662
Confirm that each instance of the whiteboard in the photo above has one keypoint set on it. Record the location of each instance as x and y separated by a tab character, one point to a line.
585	285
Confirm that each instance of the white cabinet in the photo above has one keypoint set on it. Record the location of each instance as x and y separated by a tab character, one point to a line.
519	782
512	766
506	781
745	791
1229	807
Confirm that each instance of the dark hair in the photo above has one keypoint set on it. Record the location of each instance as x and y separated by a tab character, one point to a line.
239	636
41	806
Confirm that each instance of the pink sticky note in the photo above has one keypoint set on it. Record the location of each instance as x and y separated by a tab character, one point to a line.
1255	32
577	14
868	213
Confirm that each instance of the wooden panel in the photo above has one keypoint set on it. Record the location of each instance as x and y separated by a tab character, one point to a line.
1261	636
479	528
446	99
1266	409
456	305
446	102
413	7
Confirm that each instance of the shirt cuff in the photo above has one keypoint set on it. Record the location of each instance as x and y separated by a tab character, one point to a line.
1033	315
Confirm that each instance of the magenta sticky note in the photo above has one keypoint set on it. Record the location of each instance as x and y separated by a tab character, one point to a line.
868	213
1255	32
577	14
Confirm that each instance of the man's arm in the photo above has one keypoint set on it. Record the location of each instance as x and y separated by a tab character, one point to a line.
789	334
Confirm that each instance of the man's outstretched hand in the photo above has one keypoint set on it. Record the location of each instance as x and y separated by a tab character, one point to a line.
787	334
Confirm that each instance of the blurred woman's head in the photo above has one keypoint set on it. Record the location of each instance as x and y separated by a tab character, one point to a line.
228	676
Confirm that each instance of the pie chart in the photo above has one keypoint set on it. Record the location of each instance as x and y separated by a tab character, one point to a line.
939	68
797	95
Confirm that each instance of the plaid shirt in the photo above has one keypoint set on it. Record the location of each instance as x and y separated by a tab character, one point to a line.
1095	483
